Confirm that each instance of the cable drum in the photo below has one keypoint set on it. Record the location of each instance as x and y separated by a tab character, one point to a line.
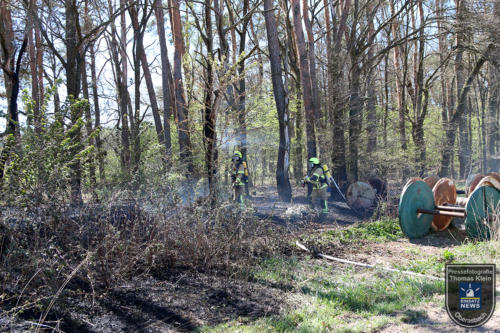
482	209
360	195
416	195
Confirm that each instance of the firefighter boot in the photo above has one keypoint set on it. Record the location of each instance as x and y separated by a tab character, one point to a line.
324	210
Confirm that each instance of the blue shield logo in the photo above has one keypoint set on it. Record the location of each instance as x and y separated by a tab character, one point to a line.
470	296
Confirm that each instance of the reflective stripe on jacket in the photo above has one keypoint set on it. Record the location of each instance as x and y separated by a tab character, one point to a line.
317	178
238	173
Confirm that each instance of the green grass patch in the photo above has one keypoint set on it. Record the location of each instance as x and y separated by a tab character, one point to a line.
433	265
277	270
377	231
375	295
467	253
342	299
477	252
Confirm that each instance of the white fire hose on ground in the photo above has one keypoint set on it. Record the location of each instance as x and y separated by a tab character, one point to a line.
344	261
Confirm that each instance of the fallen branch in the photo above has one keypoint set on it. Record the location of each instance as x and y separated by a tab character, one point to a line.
52	302
344	261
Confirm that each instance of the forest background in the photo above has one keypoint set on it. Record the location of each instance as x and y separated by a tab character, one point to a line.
120	94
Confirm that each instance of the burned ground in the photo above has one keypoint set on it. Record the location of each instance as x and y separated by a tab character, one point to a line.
183	299
180	302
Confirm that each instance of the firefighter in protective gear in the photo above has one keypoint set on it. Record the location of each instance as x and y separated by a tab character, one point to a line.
318	178
238	179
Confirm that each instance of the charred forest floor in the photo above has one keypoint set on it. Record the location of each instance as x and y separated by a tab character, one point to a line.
290	291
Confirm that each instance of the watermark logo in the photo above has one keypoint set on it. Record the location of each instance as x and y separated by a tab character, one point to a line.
470	293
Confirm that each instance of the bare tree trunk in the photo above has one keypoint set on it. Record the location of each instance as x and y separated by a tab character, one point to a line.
418	138
166	72
53	83
387	98
39	62
312	71
299	129
130	127
88	128
283	164
355	121
97	114
180	101
11	69
492	116
139	39
336	100
134	127
242	88
371	112
479	104
329	57
120	68
400	84
339	163
73	81
87	113
421	94
210	115
446	112
291	56
464	154
305	79
35	88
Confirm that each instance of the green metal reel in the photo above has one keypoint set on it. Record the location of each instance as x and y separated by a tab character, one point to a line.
416	196
482	204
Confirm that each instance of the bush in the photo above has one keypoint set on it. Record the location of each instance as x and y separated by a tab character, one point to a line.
38	169
66	250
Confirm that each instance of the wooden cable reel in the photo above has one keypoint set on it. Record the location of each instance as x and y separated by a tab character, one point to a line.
431	180
481	208
416	195
379	186
445	193
469	188
360	195
409	182
495	175
417	207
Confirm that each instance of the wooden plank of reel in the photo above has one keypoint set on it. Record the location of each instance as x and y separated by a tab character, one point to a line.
445	193
431	180
469	188
409	182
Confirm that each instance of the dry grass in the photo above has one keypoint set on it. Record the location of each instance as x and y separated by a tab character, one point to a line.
494	224
47	256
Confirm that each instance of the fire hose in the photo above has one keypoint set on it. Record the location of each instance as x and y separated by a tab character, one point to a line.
349	262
